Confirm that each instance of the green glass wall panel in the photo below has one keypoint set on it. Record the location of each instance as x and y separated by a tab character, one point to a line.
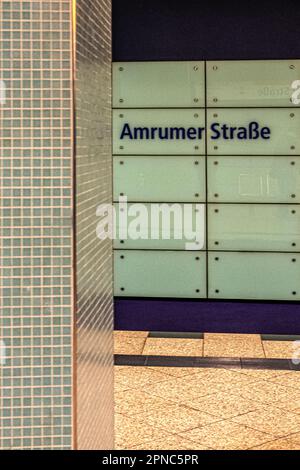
257	227
158	84
160	274
284	125
178	237
262	276
251	82
253	179
159	179
147	118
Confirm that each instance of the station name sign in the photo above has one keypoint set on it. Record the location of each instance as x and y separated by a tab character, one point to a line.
252	131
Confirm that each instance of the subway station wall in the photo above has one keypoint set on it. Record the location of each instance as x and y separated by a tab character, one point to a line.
249	188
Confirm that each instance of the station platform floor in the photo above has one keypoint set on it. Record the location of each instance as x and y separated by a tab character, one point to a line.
206	392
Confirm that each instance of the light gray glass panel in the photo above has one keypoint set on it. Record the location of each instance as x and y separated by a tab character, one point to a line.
254	227
160	274
160	226
283	123
154	132
251	82
160	179
253	179
158	84
261	276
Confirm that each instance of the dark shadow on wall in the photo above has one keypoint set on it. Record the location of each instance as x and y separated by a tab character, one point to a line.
205	30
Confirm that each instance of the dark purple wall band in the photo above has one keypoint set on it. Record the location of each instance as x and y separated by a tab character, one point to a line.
206	316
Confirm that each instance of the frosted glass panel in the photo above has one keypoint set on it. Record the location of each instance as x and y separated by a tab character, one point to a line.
160	179
257	227
269	276
158	118
170	231
160	274
283	123
251	83
158	84
253	179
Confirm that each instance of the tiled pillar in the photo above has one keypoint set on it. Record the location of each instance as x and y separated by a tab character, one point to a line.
42	335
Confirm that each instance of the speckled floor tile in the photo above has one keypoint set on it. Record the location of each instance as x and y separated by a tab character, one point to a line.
227	345
176	418
279	349
176	371
227	435
263	374
264	392
223	405
127	377
291	379
130	334
279	444
128	345
178	390
271	420
133	402
174	442
173	347
130	433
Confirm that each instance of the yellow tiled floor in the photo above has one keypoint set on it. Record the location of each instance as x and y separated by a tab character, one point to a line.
198	409
213	345
201	409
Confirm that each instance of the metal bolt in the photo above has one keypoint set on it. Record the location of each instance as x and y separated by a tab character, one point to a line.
217	259
122	289
216	163
292	163
215	100
216	147
122	256
216	243
121	163
121	69
196	100
215	67
196	147
293	195
121	100
196	115
121	147
216	211
293	211
217	291
292	147
216	195
197	258
294	260
216	115
121	115
197	195
292	67
197	290
294	292
292	115
196	68
196	162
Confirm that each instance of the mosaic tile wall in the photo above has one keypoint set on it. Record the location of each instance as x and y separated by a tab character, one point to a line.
36	220
36	225
94	257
